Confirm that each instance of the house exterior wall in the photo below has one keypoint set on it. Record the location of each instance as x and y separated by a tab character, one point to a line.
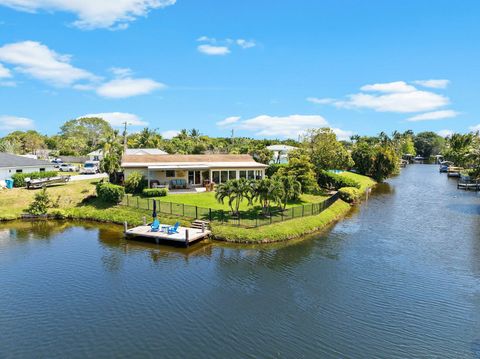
6	173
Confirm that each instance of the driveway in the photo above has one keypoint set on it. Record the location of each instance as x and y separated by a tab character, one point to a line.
88	177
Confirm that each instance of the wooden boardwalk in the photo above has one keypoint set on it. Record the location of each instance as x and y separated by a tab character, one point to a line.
185	235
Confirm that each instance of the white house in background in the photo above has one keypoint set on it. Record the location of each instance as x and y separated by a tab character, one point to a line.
195	170
11	164
280	153
97	155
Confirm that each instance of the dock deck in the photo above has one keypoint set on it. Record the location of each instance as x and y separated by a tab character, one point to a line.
185	235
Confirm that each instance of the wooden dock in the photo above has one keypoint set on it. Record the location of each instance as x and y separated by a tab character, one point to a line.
185	235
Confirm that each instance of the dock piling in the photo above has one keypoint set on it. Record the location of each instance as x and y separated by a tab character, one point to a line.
125	226
144	221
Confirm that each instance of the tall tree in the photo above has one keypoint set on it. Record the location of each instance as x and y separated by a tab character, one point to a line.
112	156
88	133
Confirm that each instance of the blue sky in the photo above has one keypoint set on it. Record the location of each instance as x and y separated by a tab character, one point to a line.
265	68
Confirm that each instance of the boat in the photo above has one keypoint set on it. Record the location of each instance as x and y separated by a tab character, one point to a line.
44	182
454	171
445	165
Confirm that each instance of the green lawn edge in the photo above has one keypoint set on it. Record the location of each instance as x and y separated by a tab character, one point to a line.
282	231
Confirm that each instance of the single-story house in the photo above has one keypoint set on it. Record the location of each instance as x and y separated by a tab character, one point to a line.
194	169
97	155
11	164
280	153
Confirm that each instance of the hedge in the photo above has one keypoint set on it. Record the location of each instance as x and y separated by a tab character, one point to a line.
334	181
19	178
349	194
155	192
110	193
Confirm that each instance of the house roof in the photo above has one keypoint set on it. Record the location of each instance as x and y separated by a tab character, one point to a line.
9	160
145	151
281	148
190	161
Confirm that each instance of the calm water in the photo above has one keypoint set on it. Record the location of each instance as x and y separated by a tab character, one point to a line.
399	278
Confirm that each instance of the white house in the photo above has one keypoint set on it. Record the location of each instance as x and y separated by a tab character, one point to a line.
11	164
97	155
193	169
280	153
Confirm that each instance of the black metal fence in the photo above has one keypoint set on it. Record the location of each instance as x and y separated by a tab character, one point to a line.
249	219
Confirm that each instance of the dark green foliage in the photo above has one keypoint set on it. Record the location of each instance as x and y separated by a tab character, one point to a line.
274	168
40	204
334	181
19	178
300	166
155	192
349	194
135	183
363	154
110	193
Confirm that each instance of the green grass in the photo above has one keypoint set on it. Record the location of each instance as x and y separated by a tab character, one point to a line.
281	231
365	182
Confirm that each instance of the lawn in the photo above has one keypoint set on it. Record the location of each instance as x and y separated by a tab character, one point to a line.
365	182
207	200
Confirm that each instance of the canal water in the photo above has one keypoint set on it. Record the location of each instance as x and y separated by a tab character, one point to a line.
399	278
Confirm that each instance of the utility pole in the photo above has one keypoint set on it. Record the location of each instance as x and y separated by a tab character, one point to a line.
125	137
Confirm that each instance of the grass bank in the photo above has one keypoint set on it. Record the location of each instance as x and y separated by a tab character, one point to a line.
365	182
281	231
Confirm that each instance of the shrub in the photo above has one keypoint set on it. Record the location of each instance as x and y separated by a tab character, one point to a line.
334	181
110	193
19	178
135	183
155	192
40	203
273	168
349	194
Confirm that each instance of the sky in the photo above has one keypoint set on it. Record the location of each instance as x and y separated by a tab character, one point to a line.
264	68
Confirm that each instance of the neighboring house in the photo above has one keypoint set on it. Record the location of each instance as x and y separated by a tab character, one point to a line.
11	164
74	159
280	153
97	155
194	169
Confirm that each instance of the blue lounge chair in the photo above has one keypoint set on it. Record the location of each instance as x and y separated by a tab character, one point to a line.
155	226
174	229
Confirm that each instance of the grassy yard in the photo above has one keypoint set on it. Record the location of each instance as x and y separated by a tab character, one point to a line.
365	182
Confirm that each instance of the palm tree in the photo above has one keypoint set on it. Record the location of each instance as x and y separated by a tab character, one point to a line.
292	189
112	155
268	190
233	191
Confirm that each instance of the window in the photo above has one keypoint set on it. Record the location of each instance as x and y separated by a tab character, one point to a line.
243	174
19	171
258	175
232	175
216	176
251	174
170	173
224	176
42	169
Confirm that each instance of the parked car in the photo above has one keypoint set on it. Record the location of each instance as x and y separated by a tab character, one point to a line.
56	162
67	167
90	167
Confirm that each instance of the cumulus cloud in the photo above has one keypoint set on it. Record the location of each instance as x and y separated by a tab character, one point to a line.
389	87
321	101
170	134
4	72
124	85
445	133
435	115
92	14
38	61
435	84
229	121
213	46
342	135
282	126
13	123
117	119
208	49
475	128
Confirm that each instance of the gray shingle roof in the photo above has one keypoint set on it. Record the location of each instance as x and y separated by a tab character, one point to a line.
9	160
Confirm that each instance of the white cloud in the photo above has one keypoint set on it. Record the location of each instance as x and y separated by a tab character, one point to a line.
213	50
91	14
8	83
389	87
40	62
4	72
435	115
321	101
475	128
12	123
342	135
283	126
229	121
169	134
121	72
435	84
246	44
117	119
128	87
445	133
